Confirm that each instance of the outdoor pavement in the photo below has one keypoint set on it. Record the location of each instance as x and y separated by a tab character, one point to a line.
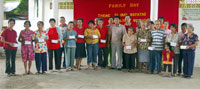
93	79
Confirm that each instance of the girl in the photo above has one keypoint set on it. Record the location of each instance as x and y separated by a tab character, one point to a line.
167	60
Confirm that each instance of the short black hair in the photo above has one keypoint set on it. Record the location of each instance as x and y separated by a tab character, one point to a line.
128	16
90	21
52	19
71	22
168	44
184	24
100	19
62	17
40	22
151	22
173	25
117	17
161	17
80	19
28	23
11	20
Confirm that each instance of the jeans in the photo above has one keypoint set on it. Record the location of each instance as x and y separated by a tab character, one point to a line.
175	63
70	56
41	60
156	59
92	50
188	62
180	61
103	57
57	58
10	60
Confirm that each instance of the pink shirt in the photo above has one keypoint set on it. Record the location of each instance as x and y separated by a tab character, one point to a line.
167	32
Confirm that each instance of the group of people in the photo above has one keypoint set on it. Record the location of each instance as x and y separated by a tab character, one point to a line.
150	46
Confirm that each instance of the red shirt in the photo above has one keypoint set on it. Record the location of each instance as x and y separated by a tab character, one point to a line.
103	31
52	35
80	31
127	26
9	36
164	53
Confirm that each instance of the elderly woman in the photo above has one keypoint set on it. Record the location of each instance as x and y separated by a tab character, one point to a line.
41	48
175	40
143	36
26	38
190	41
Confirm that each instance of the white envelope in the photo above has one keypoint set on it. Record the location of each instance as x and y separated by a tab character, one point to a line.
71	37
103	41
80	36
143	40
151	48
54	41
95	36
173	44
128	47
40	40
183	47
16	45
27	42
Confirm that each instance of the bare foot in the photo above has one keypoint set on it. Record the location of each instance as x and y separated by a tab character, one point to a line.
51	71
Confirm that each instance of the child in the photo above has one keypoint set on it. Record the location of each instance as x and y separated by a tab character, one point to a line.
130	44
70	38
167	60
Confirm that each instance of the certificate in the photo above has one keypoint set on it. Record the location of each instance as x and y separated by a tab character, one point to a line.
80	36
128	47
173	44
71	37
27	42
95	36
54	41
103	41
16	45
151	48
143	40
183	47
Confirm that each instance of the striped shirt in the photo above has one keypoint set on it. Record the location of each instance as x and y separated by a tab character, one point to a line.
158	39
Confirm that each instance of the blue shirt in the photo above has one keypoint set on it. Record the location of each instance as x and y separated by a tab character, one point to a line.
70	42
158	37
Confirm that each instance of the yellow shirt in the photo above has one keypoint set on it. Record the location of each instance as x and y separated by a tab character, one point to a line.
167	62
94	33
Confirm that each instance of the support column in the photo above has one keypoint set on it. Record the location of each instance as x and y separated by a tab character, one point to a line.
41	9
55	9
1	13
154	10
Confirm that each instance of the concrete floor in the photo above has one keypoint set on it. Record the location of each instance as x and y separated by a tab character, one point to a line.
91	79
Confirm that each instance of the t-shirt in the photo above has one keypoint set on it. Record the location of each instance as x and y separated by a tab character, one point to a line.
92	32
9	36
53	35
117	33
158	37
104	32
70	42
80	32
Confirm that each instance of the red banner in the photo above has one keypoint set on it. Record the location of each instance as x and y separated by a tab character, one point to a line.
91	9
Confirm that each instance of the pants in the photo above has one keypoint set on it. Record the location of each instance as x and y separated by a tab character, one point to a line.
130	61
169	67
175	63
70	56
92	50
57	58
10	60
156	59
188	62
110	54
41	60
180	62
103	57
151	57
117	49
63	51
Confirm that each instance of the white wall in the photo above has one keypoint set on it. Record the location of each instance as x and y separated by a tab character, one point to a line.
196	24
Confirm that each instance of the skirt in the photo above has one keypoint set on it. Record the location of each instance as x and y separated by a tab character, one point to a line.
143	55
80	51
